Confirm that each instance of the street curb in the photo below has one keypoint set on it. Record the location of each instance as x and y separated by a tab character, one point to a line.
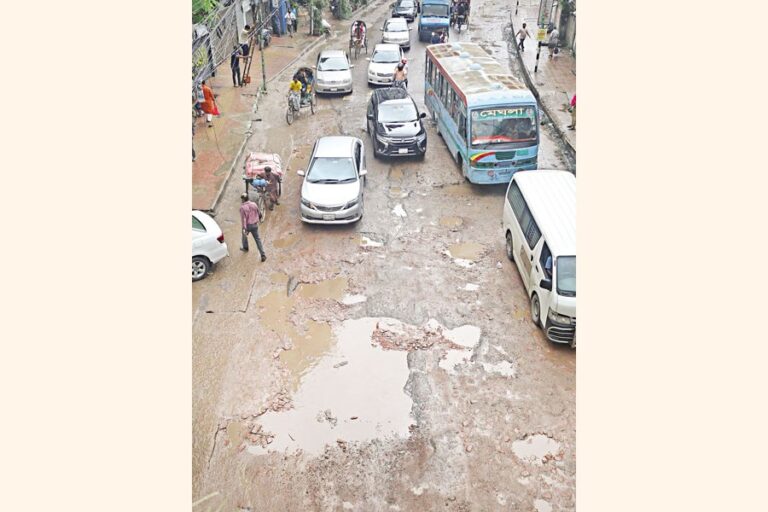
248	134
302	53
535	92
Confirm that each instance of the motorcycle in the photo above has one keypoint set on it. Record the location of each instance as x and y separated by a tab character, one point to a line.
265	37
460	18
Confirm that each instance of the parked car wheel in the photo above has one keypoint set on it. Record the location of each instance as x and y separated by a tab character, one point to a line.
200	267
535	310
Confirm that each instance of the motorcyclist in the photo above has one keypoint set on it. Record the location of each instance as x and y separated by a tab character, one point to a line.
405	68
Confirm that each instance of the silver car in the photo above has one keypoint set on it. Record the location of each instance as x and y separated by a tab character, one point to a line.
332	191
396	31
334	72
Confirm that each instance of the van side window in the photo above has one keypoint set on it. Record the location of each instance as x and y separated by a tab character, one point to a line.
516	201
532	233
546	261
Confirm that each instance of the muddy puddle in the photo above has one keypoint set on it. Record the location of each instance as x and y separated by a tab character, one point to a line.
355	392
306	351
451	222
279	278
470	251
535	447
329	289
396	174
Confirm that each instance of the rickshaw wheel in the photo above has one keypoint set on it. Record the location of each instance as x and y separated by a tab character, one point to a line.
289	115
314	98
312	106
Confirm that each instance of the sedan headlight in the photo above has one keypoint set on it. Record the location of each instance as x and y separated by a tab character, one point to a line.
351	204
306	203
559	319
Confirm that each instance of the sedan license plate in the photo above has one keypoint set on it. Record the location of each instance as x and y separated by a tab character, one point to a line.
333	89
329	216
402	151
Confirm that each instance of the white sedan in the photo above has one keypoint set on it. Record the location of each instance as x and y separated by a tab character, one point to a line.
381	69
396	31
208	246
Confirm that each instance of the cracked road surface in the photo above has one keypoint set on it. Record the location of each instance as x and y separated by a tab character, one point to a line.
387	365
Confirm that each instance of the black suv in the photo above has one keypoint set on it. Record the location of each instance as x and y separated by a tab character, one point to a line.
395	124
404	9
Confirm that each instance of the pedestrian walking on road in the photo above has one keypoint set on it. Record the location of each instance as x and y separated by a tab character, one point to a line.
295	18
250	217
271	187
552	43
572	126
289	22
234	63
209	105
522	34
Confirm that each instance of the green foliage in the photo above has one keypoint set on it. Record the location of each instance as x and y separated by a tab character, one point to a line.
201	9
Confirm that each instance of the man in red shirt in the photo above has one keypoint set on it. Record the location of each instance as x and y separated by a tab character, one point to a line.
249	217
572	126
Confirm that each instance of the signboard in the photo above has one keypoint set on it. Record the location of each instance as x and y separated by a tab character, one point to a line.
541	34
504	113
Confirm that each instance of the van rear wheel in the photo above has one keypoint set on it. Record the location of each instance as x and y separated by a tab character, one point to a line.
510	247
535	310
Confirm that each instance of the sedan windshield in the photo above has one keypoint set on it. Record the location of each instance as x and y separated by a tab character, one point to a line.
504	124
385	56
332	64
331	170
405	4
434	10
566	276
399	111
395	26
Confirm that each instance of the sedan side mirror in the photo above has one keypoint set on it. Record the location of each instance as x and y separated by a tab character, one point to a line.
422	115
363	172
546	284
300	172
351	66
369	116
314	67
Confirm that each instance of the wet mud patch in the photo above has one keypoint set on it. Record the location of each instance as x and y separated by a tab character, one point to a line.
452	223
286	241
392	334
329	289
470	251
537	449
338	401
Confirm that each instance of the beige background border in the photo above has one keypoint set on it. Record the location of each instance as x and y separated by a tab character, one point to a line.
95	372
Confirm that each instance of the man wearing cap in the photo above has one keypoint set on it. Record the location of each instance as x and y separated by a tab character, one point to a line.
250	216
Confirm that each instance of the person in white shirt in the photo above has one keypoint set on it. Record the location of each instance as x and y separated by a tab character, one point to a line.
552	43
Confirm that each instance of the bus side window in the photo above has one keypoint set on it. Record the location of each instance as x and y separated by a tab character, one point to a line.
461	121
448	99
439	86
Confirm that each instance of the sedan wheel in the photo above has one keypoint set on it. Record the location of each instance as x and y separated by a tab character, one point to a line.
200	267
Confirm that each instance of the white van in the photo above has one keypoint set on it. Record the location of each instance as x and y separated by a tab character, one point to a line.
539	222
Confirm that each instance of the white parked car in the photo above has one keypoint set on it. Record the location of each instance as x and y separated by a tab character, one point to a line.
334	72
208	246
332	191
381	69
396	31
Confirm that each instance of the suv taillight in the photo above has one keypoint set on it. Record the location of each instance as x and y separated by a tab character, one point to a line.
221	238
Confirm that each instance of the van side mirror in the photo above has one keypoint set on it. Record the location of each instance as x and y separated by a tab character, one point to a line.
300	172
370	116
422	115
546	284
363	172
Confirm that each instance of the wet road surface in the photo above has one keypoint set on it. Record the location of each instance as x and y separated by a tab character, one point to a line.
386	365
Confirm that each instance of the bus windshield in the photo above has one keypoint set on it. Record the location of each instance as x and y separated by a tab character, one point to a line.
501	125
434	10
566	276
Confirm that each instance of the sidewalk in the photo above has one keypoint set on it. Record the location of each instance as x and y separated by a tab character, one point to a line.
218	148
555	82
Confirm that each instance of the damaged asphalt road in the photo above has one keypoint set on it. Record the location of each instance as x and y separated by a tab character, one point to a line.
388	365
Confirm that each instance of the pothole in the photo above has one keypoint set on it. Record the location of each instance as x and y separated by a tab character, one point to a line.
536	448
470	251
451	222
286	241
339	401
329	289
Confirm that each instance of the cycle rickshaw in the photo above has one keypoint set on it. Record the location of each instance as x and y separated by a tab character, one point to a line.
307	98
358	38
